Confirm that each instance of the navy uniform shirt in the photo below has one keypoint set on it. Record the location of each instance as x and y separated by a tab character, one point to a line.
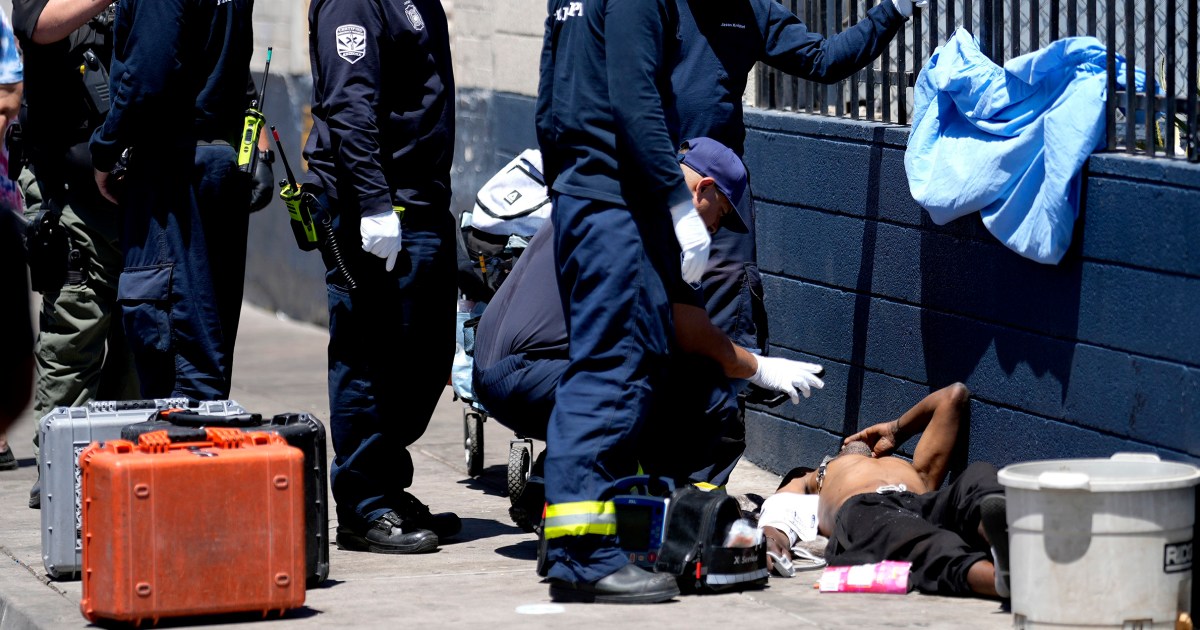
605	117
526	316
721	42
178	75
383	103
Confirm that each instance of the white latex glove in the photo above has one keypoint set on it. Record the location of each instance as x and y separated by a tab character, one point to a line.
381	236
693	239
785	375
905	7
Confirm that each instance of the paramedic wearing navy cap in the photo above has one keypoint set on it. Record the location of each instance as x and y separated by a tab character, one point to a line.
720	43
178	83
521	347
379	157
604	120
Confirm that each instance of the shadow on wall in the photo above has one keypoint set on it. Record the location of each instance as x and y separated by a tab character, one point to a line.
1003	324
862	287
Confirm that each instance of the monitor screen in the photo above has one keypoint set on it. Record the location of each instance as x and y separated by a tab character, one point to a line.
633	526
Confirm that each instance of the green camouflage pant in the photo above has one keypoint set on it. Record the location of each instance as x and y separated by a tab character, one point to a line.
81	353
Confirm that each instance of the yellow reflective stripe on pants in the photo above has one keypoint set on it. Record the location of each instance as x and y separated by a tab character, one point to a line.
708	487
581	518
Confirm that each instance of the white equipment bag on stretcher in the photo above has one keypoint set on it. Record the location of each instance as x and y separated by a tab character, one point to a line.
514	201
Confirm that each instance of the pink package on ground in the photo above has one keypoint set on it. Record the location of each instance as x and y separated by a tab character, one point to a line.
888	576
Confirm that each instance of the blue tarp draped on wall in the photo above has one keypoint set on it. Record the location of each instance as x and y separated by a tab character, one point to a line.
1009	142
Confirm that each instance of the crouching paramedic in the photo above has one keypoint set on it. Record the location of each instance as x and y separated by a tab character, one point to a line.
695	431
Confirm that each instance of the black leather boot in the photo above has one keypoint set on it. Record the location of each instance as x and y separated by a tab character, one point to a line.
387	534
993	514
628	585
412	511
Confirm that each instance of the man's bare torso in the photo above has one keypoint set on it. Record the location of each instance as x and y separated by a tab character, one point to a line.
851	475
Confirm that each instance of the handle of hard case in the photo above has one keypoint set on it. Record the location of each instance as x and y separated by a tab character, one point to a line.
111	446
154	442
185	418
225	437
160	441
218	437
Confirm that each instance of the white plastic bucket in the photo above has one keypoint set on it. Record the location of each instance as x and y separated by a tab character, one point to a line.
1100	543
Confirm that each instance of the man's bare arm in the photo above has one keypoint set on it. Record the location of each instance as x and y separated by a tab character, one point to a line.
61	17
940	426
696	334
937	416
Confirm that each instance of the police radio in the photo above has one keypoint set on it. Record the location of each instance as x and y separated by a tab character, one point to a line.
301	221
252	127
641	509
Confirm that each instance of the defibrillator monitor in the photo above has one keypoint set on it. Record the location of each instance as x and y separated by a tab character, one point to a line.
641	515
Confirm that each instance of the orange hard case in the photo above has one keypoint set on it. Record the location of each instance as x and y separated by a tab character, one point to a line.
174	530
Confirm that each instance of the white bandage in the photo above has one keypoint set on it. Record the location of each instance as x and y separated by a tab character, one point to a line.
791	513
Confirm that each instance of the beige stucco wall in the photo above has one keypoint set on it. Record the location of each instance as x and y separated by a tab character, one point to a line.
496	43
282	24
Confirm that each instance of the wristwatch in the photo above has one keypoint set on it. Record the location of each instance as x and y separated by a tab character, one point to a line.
267	156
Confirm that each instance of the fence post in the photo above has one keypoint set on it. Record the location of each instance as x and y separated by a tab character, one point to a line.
1110	99
986	41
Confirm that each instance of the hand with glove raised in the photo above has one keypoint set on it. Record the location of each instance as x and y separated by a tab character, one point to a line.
905	7
693	239
381	235
791	377
262	185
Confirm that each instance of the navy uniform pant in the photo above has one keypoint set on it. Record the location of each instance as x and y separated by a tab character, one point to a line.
694	434
936	531
391	343
519	391
618	319
186	213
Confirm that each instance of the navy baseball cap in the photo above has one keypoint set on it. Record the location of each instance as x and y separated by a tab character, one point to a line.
712	159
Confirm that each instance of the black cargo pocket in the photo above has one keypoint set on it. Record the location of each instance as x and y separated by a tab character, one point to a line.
144	294
751	326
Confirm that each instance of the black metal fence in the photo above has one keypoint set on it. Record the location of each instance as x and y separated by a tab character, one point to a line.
1159	36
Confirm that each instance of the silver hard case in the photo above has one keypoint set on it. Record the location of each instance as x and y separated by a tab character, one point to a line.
62	435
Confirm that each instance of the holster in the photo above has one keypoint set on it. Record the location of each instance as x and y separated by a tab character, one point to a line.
14	141
48	250
326	238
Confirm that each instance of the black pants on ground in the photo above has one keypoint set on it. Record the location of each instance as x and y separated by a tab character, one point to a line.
936	531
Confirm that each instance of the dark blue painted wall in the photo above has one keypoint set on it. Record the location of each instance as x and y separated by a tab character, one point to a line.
1098	354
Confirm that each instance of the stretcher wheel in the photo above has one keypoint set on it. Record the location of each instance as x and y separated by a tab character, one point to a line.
473	442
519	462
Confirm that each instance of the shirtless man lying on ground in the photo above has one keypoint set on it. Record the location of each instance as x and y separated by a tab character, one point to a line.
876	507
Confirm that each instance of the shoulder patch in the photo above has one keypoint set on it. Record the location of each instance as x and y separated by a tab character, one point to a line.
351	42
414	16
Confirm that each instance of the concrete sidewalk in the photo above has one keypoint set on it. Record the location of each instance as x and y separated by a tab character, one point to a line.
485	578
